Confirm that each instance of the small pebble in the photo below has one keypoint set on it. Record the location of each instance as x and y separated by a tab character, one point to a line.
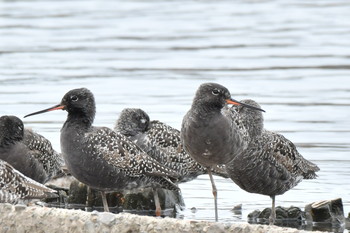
106	218
237	207
20	207
8	206
94	213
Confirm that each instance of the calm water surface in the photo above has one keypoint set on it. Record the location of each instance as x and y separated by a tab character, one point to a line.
293	57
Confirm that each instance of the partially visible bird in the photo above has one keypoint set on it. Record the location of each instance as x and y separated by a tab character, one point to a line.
270	164
14	186
208	133
162	142
27	151
101	158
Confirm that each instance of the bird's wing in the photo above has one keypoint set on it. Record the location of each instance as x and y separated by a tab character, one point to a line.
283	153
41	149
15	185
122	153
168	139
164	135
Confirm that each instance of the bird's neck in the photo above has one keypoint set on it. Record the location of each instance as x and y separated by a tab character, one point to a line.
205	111
5	141
79	120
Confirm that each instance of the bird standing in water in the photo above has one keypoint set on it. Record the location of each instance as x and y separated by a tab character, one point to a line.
208	132
271	164
101	158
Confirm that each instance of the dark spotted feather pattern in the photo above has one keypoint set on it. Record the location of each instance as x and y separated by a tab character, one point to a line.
101	158
271	164
119	151
160	141
27	151
41	149
14	186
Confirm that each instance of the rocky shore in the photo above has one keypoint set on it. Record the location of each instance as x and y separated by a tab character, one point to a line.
20	218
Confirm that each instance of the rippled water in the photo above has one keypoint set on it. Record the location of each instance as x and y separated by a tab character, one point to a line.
290	56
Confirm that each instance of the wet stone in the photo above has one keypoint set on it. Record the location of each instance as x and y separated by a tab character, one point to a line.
143	202
327	211
237	209
327	215
347	222
253	216
77	193
289	217
79	196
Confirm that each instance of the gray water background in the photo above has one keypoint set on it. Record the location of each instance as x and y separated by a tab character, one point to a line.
290	56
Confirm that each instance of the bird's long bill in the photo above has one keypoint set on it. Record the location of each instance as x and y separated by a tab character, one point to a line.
235	102
56	107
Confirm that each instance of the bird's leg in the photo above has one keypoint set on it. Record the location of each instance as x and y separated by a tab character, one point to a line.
89	198
156	202
104	201
273	212
215	193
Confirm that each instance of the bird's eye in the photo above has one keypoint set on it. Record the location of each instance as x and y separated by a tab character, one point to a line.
74	98
215	92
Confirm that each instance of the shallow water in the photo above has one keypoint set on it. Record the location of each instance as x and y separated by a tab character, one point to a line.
290	56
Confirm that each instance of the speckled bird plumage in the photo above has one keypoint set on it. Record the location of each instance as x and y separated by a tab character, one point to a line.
101	158
15	186
27	151
160	141
271	164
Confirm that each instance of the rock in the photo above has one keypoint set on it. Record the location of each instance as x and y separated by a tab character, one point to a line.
288	217
347	222
82	197
143	202
253	216
106	218
20	207
77	193
295	213
327	211
43	219
237	209
265	215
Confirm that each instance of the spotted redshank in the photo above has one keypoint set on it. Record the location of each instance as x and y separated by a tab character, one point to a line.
208	132
27	151
162	142
101	158
271	164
